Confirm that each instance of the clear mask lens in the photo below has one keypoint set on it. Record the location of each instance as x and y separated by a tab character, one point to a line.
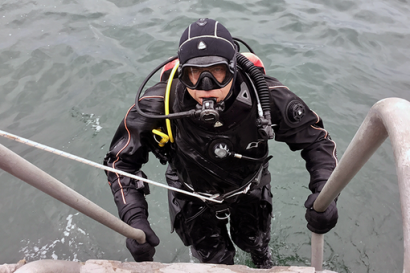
219	74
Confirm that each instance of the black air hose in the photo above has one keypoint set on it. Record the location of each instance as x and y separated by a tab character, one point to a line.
263	92
259	81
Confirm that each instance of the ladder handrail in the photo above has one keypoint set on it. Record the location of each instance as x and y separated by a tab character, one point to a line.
27	172
387	118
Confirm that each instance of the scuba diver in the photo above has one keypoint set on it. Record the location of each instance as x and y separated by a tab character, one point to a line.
210	118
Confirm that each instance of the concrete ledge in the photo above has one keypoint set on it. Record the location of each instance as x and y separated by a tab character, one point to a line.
107	266
104	266
9	268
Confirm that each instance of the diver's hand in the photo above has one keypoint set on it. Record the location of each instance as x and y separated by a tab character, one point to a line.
320	222
143	252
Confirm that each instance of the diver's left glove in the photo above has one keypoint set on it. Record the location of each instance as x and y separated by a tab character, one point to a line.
320	222
143	252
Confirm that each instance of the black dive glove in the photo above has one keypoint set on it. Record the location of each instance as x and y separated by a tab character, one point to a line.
320	222
143	252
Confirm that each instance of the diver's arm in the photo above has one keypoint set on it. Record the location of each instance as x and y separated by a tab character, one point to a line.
302	129
129	150
302	132
320	154
127	154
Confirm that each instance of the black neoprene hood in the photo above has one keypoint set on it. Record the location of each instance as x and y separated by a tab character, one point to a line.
206	37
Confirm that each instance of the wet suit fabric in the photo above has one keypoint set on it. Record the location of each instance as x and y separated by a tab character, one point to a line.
192	166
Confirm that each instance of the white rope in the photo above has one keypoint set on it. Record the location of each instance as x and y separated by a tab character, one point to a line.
99	166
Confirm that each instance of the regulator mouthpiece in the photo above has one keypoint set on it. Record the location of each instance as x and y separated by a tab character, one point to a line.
209	111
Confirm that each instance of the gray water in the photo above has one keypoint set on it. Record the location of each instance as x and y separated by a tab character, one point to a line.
69	70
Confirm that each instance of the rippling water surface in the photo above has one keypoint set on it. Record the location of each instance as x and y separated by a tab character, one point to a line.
70	69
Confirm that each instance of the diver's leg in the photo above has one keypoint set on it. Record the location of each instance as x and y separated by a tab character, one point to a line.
250	226
211	242
198	227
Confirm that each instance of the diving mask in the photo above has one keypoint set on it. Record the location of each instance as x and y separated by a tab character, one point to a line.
206	73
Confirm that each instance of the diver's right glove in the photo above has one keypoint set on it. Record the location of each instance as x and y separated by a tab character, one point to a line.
143	252
320	222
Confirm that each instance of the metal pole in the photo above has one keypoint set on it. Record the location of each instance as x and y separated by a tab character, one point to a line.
21	168
388	117
317	242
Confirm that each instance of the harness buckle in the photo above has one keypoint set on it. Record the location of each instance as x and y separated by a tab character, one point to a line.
222	214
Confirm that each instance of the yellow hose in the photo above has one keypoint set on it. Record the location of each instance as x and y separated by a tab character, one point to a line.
164	136
167	92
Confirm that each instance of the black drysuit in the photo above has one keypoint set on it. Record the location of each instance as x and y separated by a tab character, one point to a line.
194	166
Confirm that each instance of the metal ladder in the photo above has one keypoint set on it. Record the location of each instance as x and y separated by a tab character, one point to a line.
387	118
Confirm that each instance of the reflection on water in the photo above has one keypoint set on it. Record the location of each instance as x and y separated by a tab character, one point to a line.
71	242
69	70
90	120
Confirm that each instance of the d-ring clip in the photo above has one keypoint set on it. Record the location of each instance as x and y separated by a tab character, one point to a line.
222	214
